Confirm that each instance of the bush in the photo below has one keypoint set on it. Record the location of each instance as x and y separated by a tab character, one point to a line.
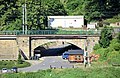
115	45
110	54
114	57
20	61
96	47
102	54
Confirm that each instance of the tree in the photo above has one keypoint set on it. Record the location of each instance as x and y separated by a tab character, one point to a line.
10	14
20	61
118	37
106	37
37	12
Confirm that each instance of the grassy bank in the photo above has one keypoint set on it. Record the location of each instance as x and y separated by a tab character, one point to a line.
11	63
107	72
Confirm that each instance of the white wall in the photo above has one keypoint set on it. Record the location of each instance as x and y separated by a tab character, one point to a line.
66	21
91	26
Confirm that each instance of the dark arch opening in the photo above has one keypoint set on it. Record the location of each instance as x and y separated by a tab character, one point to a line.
41	51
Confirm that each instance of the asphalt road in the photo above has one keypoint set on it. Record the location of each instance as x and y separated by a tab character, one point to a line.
51	61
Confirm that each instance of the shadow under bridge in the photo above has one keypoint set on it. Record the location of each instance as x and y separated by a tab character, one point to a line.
41	51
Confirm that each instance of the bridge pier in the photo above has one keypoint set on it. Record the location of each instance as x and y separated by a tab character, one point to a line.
24	45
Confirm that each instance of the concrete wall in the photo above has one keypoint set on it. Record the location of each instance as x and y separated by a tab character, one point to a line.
24	46
91	41
8	49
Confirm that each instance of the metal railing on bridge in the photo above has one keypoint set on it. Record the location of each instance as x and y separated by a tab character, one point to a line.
51	32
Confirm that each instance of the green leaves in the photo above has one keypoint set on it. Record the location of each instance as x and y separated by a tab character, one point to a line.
108	52
38	10
106	36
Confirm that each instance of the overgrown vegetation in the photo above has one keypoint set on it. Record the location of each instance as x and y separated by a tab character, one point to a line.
114	19
109	50
38	10
106	36
19	61
69	73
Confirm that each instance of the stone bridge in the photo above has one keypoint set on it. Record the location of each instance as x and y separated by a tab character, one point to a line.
11	45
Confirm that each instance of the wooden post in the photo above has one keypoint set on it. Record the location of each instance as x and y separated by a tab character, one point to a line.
73	66
50	67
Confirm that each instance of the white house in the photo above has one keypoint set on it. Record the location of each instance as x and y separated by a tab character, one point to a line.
65	21
91	26
116	24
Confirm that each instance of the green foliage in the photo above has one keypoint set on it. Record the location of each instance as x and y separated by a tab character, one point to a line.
93	9
115	45
108	72
20	61
9	14
12	63
118	37
111	54
106	36
113	57
103	53
115	19
96	47
38	10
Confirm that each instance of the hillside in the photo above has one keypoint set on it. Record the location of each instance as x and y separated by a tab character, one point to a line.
38	10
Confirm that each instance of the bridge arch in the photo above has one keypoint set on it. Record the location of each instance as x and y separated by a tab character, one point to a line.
53	48
37	42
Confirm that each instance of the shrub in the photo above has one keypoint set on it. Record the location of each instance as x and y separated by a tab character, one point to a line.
20	61
106	37
114	57
115	45
96	47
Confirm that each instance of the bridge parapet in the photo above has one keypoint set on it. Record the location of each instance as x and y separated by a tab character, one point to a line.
52	32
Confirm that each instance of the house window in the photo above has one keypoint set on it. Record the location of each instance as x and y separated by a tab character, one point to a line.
77	57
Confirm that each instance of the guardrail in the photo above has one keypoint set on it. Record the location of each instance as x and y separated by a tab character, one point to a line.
51	32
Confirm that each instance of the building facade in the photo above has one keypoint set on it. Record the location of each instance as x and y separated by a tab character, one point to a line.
65	21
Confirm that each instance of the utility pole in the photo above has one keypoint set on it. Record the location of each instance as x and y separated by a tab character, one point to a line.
84	53
25	19
88	52
40	13
89	59
24	27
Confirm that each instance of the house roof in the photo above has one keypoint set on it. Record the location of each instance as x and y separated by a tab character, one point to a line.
70	17
76	51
